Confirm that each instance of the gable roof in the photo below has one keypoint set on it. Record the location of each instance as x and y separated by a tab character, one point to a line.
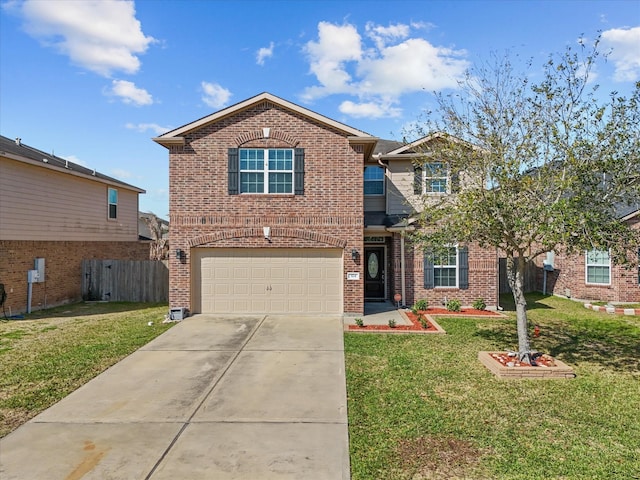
355	136
16	150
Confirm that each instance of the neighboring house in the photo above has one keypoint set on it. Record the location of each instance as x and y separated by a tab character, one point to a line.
277	209
54	214
592	275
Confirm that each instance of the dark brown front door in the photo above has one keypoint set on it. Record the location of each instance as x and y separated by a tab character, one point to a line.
374	273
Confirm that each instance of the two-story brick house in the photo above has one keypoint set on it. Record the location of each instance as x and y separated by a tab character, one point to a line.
275	208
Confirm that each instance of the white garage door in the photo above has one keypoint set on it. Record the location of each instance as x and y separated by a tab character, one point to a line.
267	280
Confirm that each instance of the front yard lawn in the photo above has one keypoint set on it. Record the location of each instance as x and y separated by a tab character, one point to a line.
52	352
423	407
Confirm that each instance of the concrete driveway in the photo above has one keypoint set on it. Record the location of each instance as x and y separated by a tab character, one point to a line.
215	397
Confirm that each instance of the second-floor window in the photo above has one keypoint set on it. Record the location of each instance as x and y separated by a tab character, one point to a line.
266	170
112	199
598	267
435	177
374	180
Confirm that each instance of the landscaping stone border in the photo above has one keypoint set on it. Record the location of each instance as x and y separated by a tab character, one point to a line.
561	371
616	310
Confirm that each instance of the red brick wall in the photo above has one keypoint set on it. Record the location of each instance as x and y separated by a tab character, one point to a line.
483	277
569	279
63	269
328	215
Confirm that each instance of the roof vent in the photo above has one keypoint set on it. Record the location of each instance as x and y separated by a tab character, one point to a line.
18	141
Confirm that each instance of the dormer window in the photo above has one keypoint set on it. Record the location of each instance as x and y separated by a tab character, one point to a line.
373	180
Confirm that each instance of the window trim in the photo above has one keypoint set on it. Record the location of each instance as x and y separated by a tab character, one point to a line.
456	268
587	265
110	204
427	179
266	171
381	180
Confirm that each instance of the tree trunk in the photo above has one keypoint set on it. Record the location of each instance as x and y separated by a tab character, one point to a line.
515	276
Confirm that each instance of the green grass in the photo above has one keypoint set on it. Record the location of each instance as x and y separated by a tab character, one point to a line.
424	407
52	352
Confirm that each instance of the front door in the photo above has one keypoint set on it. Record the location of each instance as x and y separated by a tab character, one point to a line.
374	273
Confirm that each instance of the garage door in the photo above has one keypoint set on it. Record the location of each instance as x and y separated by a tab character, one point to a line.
267	280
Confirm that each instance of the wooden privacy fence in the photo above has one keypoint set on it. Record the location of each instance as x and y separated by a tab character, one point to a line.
125	280
530	275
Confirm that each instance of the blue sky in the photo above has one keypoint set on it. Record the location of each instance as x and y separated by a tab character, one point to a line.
94	81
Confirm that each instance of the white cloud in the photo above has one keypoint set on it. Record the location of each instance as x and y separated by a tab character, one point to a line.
336	45
103	36
378	69
121	174
369	109
76	160
129	93
145	127
215	96
263	53
625	52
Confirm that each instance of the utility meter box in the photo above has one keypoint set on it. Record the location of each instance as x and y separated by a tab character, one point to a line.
39	267
32	276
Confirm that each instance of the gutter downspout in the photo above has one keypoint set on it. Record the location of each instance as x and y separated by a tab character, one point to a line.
402	270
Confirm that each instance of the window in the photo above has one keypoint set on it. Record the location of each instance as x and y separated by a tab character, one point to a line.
447	268
374	181
112	199
266	171
436	177
598	267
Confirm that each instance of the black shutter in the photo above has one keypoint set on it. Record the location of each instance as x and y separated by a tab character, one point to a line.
463	269
298	171
455	182
417	180
428	270
234	167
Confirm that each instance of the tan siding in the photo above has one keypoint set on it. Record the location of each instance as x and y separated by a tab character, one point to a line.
400	196
41	204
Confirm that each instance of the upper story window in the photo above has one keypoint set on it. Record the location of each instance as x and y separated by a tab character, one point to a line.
598	267
266	171
112	200
435	177
374	180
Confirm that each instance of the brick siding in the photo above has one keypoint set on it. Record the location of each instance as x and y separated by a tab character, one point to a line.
63	269
203	214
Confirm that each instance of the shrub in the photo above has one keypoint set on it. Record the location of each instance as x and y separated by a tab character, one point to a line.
421	304
392	323
479	304
423	321
454	305
359	322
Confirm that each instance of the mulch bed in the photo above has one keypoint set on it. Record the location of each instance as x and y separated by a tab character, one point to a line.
415	325
507	360
431	327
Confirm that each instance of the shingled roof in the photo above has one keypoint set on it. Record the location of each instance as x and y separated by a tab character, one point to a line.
17	150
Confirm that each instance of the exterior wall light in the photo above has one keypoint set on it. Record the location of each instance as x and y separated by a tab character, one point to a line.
179	253
354	254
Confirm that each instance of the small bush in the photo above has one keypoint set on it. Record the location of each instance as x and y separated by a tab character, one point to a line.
423	321
479	304
421	304
454	305
359	322
392	323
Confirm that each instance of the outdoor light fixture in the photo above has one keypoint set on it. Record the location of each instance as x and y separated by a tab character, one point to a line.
179	253
354	254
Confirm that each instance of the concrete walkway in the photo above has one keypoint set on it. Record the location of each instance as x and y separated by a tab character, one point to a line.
215	397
